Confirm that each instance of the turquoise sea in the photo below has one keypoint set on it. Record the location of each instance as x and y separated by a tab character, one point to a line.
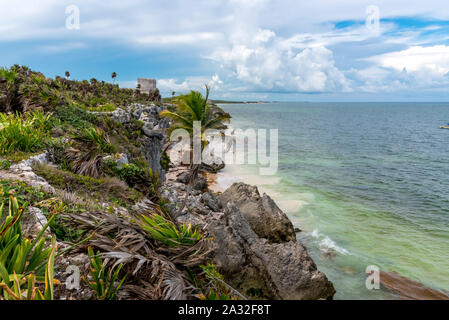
368	183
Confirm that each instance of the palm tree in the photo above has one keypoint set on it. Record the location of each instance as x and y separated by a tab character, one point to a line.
194	107
113	76
67	75
188	109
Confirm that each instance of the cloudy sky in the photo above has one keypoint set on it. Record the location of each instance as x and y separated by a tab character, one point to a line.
321	50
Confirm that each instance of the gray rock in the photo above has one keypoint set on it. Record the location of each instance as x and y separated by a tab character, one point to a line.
212	167
33	222
256	267
183	177
121	116
211	201
262	213
23	172
200	183
143	205
39	159
212	163
152	133
123	159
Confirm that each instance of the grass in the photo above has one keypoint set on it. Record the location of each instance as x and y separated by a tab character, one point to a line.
26	133
107	189
108	107
75	117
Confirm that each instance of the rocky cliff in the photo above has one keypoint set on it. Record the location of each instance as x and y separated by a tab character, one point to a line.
102	179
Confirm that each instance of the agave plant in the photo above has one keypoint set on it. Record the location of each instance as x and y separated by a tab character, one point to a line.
165	231
105	282
14	290
97	138
20	256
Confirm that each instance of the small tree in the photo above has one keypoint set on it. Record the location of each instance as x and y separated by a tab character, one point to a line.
190	108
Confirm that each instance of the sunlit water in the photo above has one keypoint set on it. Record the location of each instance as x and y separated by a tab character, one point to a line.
368	183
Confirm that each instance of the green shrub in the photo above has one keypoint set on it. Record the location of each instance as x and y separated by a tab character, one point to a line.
165	161
27	133
75	117
107	107
130	173
5	164
98	138
165	231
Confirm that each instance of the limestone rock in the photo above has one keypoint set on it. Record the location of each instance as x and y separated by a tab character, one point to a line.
33	222
256	267
262	213
209	199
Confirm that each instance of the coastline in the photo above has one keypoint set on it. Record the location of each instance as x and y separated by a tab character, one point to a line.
395	286
329	247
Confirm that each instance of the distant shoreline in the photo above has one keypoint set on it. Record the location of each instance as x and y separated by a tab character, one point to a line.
240	102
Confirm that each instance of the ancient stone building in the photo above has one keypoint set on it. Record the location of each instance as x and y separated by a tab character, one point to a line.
146	85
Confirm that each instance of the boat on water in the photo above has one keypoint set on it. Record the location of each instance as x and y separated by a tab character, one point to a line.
445	127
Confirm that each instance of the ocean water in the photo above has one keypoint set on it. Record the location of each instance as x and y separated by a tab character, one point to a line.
368	183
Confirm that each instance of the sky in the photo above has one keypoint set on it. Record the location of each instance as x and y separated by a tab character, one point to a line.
284	50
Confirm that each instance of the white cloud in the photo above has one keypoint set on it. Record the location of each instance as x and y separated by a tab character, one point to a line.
433	59
178	39
267	62
266	44
63	47
414	69
190	83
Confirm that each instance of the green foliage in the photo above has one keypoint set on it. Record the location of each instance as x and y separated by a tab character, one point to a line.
165	231
61	226
107	189
97	138
23	193
194	107
5	164
10	75
165	161
18	255
216	288
27	133
105	282
107	107
130	173
75	117
22	287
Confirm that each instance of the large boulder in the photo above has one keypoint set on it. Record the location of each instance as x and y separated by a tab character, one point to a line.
262	213
261	269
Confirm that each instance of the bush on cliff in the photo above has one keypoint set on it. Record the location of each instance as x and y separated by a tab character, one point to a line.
27	133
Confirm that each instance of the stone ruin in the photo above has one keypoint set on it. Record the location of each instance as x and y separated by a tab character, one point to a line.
146	85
